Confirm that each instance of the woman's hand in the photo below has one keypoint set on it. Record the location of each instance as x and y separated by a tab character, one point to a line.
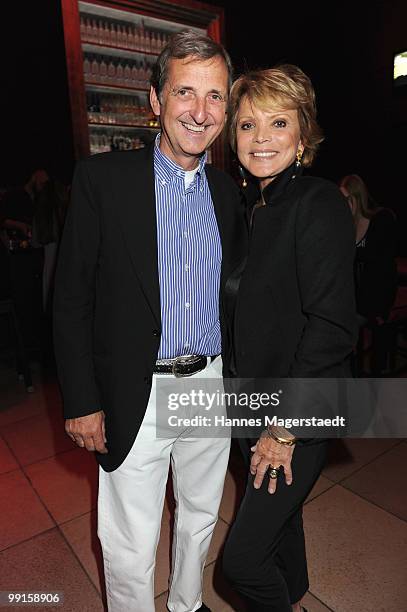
268	452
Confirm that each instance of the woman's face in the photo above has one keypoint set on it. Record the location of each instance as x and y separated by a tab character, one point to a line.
267	141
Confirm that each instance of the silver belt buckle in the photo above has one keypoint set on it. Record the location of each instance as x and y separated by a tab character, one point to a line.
187	360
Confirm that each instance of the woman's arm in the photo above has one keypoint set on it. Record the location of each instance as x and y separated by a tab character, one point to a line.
325	252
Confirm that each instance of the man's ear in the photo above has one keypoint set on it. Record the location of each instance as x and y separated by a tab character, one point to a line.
154	101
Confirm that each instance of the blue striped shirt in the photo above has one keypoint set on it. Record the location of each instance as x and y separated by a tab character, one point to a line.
189	260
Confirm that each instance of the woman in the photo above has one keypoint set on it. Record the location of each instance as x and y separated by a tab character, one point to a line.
47	227
292	314
376	247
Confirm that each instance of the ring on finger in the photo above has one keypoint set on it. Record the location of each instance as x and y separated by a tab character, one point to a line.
273	472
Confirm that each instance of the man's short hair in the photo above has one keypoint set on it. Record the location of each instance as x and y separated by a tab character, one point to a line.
187	43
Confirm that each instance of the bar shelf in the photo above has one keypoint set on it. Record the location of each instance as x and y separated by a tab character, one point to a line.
117	51
130	126
115	88
122	39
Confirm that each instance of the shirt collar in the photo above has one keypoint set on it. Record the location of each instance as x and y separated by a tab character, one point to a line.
166	168
274	189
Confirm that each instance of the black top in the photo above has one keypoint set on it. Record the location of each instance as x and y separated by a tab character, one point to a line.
375	266
294	308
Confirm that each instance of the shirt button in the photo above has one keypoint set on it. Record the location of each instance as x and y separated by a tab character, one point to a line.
187	267
187	305
156	332
185	234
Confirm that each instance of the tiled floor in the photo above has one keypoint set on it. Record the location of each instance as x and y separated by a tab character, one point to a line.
355	518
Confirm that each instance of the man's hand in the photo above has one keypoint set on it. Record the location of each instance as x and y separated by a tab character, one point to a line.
88	431
268	452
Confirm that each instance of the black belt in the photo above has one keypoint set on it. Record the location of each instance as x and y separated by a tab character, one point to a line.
184	365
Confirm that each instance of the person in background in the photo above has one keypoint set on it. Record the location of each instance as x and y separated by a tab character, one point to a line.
291	308
25	263
18	205
149	238
376	249
48	222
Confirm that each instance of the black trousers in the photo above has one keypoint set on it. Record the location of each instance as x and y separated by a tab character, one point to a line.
264	557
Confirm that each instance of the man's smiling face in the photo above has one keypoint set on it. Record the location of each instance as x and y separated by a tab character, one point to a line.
192	108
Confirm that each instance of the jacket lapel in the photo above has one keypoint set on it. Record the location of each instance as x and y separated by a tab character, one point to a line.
138	220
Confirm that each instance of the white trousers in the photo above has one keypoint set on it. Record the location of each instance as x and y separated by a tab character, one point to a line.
130	506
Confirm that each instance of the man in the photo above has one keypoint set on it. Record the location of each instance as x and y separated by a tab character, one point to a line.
150	238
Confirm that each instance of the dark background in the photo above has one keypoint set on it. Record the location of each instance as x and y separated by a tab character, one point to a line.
345	47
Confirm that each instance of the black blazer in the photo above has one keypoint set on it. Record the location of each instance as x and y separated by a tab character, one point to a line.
107	299
294	314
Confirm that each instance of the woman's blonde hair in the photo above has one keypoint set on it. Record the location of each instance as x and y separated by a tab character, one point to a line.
285	87
364	204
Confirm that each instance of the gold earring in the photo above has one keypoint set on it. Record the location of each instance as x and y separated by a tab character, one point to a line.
243	176
298	158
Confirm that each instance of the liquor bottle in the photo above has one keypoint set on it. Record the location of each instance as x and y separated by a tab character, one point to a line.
119	74
134	75
106	143
97	108
127	74
147	41
89	32
136	112
113	35
119	35
100	39
142	38
106	33
95	70
130	111
124	108
86	68
124	37
142	75
130	37
93	143
111	72
153	43
136	39
95	31
103	71
109	109
105	110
